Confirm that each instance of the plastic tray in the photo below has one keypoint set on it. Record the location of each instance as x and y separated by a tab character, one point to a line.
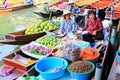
31	54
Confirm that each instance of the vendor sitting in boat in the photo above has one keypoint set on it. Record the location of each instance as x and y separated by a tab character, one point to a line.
45	10
67	24
45	7
94	28
27	2
5	4
75	9
72	7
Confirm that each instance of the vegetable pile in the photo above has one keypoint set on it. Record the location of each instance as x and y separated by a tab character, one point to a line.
23	60
38	50
49	41
42	26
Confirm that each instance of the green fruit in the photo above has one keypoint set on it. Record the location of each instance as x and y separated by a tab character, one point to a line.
32	30
40	22
51	28
36	30
44	24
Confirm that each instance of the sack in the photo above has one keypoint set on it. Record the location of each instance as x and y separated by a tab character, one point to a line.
71	52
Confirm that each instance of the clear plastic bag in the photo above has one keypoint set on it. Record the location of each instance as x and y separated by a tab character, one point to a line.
71	52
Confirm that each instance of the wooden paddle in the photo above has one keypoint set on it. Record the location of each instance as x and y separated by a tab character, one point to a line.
50	16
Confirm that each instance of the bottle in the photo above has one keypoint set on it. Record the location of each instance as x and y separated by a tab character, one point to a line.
113	33
98	71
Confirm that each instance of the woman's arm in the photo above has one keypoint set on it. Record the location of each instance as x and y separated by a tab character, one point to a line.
100	25
74	26
62	25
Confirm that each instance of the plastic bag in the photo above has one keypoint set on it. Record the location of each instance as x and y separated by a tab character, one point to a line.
58	50
71	52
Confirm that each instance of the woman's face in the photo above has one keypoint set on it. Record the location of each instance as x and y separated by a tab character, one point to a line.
92	16
72	4
67	16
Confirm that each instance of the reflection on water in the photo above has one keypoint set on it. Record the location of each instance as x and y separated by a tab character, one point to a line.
17	20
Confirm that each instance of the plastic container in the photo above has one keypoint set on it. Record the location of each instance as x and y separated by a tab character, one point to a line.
98	71
92	44
82	76
82	44
51	67
31	78
118	56
94	60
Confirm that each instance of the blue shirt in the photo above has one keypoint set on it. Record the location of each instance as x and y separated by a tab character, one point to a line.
28	2
68	27
73	9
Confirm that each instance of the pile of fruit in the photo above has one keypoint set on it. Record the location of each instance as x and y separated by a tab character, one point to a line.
23	60
26	63
37	49
42	26
49	41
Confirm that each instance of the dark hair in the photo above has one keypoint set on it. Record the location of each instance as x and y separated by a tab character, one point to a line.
92	12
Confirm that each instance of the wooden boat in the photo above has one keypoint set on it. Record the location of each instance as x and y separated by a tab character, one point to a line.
84	2
53	6
9	61
19	37
59	5
101	4
58	13
33	72
13	4
116	14
14	8
13	42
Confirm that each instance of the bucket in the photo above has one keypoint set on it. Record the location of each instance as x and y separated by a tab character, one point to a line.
82	76
46	67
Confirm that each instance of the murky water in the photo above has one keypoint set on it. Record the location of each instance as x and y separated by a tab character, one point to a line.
15	21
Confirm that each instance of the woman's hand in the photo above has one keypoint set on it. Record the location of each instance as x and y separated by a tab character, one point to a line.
60	32
94	33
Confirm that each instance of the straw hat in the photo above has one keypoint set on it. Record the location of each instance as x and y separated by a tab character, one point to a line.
44	1
67	12
71	1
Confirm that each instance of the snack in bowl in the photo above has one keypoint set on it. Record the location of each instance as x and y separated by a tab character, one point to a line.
81	70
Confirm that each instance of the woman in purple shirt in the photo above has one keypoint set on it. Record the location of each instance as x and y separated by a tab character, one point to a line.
94	27
5	4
